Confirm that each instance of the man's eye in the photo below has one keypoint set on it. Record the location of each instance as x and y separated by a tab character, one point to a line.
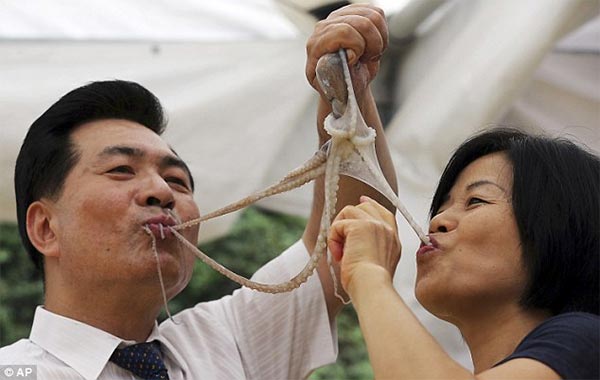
123	169
176	181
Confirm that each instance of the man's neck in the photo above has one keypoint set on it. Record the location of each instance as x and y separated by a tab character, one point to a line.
127	317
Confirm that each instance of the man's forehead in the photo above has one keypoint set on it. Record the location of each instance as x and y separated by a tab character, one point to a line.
98	137
166	157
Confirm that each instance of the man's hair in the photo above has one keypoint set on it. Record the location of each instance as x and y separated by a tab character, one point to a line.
555	199
48	154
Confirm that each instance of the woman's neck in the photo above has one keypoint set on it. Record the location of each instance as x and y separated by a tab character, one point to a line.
492	336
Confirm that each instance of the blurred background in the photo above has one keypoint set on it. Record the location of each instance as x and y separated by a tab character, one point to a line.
230	75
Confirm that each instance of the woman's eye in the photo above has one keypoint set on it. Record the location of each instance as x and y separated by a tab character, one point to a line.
475	200
123	169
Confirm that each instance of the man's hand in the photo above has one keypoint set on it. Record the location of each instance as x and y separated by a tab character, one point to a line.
361	29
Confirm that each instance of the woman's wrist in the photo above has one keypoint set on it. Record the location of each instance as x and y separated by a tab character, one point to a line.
366	279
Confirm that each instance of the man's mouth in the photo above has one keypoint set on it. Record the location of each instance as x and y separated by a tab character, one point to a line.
159	226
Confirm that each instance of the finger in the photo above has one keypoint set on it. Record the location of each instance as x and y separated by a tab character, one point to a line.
336	239
330	38
353	212
367	20
384	215
375	14
336	248
363	9
369	48
376	210
373	41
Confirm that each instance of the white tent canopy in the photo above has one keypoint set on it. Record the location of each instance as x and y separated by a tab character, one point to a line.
231	77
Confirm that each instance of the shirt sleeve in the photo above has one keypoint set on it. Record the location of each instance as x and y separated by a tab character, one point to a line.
567	343
280	336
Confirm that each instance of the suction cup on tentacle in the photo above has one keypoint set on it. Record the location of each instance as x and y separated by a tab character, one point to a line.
361	161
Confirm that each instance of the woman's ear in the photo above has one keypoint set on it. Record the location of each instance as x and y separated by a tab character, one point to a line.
40	229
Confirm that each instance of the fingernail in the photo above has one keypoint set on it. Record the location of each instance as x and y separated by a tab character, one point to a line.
351	55
376	58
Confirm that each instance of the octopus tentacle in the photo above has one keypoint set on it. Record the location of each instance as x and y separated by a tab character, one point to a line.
287	286
331	168
312	169
332	178
350	151
362	137
376	180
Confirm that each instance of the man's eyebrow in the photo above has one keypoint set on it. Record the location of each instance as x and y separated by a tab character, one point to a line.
483	182
121	150
168	161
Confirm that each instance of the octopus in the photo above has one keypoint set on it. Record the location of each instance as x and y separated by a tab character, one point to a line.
350	151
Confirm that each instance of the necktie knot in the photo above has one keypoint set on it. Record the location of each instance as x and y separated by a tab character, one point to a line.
142	359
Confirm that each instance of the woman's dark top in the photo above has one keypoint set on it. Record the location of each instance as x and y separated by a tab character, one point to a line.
568	343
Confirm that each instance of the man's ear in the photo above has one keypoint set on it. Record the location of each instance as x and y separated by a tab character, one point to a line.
40	229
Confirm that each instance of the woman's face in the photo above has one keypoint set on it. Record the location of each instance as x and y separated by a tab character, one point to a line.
477	264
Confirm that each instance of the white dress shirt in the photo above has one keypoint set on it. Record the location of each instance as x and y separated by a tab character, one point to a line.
247	335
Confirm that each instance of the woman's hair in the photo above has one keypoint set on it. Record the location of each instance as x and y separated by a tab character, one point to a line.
556	203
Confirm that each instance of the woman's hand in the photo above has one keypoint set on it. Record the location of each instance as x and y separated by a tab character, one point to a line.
365	239
361	29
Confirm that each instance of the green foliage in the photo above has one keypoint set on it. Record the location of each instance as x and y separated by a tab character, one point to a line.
20	286
257	237
352	362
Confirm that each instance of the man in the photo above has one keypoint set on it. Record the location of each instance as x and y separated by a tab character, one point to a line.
93	171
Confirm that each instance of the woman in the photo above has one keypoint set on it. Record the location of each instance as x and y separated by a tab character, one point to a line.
513	264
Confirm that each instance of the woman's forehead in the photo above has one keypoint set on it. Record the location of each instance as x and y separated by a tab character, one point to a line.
494	168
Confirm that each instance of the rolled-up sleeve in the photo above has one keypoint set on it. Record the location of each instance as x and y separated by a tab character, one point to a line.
280	336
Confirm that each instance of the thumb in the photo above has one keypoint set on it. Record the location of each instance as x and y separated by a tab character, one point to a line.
336	240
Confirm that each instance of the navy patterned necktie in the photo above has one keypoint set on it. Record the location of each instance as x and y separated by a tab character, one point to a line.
143	360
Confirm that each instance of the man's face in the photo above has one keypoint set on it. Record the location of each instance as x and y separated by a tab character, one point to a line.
126	178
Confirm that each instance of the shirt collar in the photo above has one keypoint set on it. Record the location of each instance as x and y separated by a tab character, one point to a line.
84	348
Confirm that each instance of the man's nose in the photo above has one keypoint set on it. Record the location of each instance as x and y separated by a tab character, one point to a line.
156	192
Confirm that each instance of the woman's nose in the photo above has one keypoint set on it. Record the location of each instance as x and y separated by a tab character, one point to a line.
444	221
